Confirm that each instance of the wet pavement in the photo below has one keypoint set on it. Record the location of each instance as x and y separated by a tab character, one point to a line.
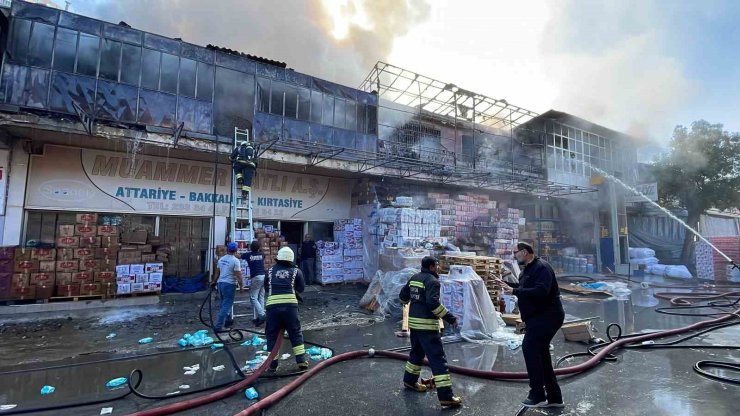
640	382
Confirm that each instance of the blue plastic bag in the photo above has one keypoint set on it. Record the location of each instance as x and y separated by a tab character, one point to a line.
47	390
217	346
251	393
257	341
146	340
116	382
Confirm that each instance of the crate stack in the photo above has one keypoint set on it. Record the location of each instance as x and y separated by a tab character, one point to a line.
407	227
349	235
142	260
330	262
270	243
488	268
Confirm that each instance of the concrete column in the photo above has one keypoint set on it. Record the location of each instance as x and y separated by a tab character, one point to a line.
16	197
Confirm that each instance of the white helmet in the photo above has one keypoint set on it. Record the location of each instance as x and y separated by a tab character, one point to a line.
244	143
286	254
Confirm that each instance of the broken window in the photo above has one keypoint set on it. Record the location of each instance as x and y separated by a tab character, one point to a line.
205	81
150	69
25	86
116	102
187	77
322	134
67	89
304	104
157	109
233	102
40	45
291	101
196	115
18	48
317	106
361	118
276	100
168	79
263	95
295	130
87	56
372	119
130	64
110	57
65	50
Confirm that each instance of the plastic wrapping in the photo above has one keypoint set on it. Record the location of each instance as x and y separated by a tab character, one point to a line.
676	272
397	259
641	252
391	284
464	294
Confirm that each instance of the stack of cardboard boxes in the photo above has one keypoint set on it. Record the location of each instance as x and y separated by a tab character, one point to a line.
270	243
141	261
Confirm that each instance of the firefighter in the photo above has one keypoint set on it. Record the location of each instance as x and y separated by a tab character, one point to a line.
422	290
244	161
283	283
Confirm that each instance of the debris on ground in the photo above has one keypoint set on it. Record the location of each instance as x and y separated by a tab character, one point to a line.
184	387
106	411
116	382
7	407
146	340
111	335
47	390
198	339
219	367
285	356
251	393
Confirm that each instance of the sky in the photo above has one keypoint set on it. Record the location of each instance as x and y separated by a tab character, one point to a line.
637	66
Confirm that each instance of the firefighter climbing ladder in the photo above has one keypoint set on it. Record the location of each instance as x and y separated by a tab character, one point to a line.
241	210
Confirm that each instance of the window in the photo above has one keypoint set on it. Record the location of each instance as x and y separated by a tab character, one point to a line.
40	46
65	49
316	106
328	116
372	119
110	58
150	69
87	56
340	106
157	109
130	64
205	82
350	121
468	148
304	104
361	118
187	77
233	101
116	101
168	79
263	95
291	101
18	49
276	102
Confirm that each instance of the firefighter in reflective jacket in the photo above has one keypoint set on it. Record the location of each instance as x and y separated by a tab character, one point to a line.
244	162
422	290
283	283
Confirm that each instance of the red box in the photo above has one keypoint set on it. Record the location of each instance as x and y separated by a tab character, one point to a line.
87	289
7	265
26	266
102	277
68	242
23	292
89	265
22	253
66	231
20	279
84	253
82	277
47	266
84	230
87	218
107	230
106	253
47	279
93	242
68	290
64	279
107	265
66	254
43	254
68	266
44	291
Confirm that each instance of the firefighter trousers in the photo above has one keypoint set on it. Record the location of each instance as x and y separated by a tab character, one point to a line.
429	344
286	317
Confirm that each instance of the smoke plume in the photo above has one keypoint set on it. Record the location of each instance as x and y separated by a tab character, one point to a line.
302	33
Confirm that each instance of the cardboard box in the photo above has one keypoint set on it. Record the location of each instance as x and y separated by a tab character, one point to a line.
87	218
68	242
153	267
84	253
84	230
43	279
65	254
109	241
44	291
125	279
22	253
106	253
142	278
511	319
104	277
134	237
152	287
107	230
148	258
89	265
123	288
68	266
44	254
145	248
137	269
123	269
20	279
63	279
137	287
82	277
128	257
107	265
26	266
577	331
47	266
108	288
89	289
7	265
66	231
68	290
92	242
23	292
7	253
155	277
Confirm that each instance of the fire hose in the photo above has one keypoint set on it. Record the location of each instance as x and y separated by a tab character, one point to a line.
490	375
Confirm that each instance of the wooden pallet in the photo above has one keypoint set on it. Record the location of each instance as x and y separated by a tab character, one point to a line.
55	299
134	295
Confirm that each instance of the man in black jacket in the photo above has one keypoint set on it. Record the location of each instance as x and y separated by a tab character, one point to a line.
543	315
422	290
